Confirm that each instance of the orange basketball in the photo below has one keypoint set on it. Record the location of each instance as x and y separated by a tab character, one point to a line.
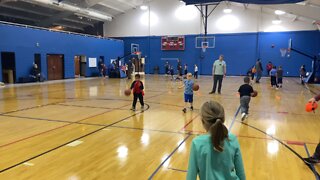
311	106
255	93
195	87
127	92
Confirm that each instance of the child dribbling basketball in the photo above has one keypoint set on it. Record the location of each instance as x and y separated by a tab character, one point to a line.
137	88
188	92
245	91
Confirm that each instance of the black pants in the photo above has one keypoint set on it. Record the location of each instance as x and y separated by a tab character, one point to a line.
252	76
216	79
274	81
196	74
135	98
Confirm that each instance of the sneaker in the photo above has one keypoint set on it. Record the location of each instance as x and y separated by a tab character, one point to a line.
212	92
311	160
191	108
184	110
142	107
243	116
133	109
219	92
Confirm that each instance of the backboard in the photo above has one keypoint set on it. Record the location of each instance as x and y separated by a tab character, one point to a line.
205	41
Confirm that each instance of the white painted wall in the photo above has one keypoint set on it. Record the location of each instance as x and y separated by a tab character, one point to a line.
251	19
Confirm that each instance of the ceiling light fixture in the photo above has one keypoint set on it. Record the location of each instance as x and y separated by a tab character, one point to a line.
143	7
227	10
279	12
276	21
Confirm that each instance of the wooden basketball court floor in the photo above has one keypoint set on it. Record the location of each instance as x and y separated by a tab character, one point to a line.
83	129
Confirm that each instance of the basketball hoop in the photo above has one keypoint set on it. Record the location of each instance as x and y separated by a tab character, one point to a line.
283	52
138	53
204	48
317	23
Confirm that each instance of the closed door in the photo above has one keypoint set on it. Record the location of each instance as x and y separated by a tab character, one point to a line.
77	65
55	67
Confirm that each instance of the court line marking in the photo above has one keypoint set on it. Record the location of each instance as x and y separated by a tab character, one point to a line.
175	169
184	127
253	137
19	140
62	145
143	129
234	118
311	165
154	173
34	107
85	106
48	151
278	140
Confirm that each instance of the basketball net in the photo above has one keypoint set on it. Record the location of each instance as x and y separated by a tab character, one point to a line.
283	52
138	53
204	48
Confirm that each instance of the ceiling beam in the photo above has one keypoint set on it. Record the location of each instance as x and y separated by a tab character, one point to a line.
68	25
111	7
5	1
19	17
78	22
56	17
24	10
125	2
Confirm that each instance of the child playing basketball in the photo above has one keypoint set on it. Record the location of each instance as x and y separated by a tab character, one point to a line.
273	76
245	91
188	92
217	154
279	76
171	72
137	87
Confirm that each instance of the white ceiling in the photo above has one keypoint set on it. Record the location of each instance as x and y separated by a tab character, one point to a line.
308	11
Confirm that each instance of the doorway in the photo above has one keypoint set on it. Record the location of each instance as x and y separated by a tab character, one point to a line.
83	65
55	66
8	67
77	66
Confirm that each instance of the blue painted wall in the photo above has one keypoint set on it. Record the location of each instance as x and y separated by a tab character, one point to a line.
240	51
22	41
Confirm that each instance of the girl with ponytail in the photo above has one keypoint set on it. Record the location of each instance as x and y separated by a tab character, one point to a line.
217	154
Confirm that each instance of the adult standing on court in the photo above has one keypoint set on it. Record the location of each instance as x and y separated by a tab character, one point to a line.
219	70
259	70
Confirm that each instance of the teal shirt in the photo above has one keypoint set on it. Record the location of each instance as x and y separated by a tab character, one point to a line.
210	164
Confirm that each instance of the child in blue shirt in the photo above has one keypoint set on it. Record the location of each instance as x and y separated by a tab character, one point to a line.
273	76
216	155
188	92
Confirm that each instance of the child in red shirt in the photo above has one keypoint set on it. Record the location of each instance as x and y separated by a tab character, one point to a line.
137	88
